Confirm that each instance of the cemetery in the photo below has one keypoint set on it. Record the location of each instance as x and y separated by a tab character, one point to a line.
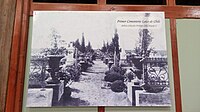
140	75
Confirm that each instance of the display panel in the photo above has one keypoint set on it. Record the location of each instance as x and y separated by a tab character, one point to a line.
98	59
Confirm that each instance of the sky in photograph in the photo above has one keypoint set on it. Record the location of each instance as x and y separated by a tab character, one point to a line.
96	26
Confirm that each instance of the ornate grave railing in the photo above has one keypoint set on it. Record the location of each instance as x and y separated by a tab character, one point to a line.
42	67
38	67
155	74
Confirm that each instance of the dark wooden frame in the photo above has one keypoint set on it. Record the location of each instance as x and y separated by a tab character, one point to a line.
7	14
25	8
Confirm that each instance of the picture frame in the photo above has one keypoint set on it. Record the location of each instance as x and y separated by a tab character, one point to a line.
18	51
122	49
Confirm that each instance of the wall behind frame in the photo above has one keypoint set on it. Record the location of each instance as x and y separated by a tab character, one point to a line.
107	109
188	37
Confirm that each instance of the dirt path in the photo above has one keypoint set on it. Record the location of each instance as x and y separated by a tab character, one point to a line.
88	91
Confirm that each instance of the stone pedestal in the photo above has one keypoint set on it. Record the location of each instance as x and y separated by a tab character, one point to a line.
39	98
57	92
131	92
143	98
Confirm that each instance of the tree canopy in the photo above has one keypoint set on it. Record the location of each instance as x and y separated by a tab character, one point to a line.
145	39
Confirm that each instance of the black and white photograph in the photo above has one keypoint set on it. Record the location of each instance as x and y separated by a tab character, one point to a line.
98	58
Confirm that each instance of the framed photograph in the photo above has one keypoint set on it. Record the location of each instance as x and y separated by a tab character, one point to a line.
84	58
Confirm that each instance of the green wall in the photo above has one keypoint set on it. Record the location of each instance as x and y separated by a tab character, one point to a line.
108	109
188	34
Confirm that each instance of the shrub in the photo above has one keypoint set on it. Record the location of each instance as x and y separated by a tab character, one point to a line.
118	86
116	69
153	89
113	76
107	72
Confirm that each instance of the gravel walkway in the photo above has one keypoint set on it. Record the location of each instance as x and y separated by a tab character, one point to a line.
89	92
